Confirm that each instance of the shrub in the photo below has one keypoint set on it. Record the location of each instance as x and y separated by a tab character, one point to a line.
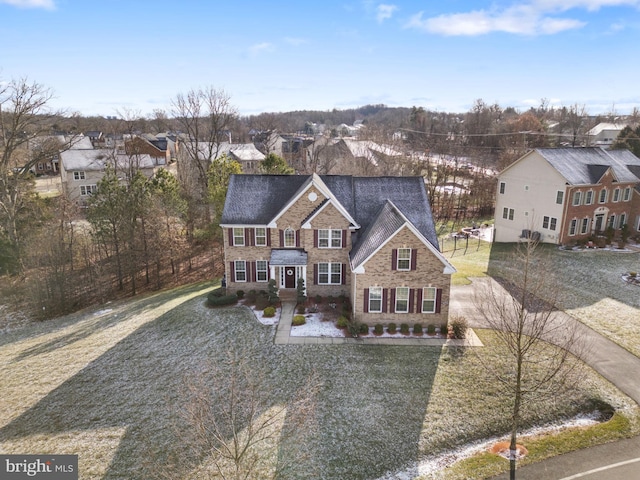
342	322
444	329
262	301
218	292
364	329
417	329
404	328
269	312
431	329
240	294
318	298
459	327
298	320
392	328
378	329
353	328
218	301
272	292
301	298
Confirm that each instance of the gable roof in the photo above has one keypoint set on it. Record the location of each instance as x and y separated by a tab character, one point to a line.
586	166
260	199
97	160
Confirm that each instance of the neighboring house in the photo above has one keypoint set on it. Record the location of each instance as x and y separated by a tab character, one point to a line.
148	145
563	195
81	170
370	238
47	149
345	155
96	137
604	134
246	154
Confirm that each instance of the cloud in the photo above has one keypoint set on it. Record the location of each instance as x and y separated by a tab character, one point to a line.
46	4
259	48
536	17
385	11
295	41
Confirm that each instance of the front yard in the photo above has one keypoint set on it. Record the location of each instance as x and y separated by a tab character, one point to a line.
108	385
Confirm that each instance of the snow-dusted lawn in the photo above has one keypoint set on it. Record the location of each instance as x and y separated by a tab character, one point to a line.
108	385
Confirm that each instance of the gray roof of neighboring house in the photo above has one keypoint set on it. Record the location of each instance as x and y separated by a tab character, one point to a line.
96	160
585	166
257	199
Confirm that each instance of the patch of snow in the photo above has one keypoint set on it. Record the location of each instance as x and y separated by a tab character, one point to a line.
259	314
316	327
433	464
102	312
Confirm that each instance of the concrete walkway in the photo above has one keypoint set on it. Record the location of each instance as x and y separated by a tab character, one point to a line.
283	336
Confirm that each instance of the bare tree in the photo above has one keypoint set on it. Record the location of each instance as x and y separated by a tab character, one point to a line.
205	117
234	427
538	345
23	117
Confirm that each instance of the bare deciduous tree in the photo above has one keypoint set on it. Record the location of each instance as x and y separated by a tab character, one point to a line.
538	345
235	428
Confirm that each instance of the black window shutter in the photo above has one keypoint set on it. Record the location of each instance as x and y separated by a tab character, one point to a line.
268	237
419	305
412	293
385	293
366	300
414	258
344	274
392	307
247	237
281	238
344	239
230	237
315	273
232	271
394	259
438	299
297	238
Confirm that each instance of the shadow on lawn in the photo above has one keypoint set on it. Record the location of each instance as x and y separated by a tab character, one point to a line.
372	402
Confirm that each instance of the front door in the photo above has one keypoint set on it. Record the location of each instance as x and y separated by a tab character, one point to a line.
599	222
289	277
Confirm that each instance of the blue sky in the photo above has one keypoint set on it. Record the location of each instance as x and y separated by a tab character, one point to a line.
105	56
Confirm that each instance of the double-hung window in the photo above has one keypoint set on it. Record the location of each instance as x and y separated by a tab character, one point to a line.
507	213
573	226
261	271
502	187
329	273
261	237
616	195
588	197
289	237
375	299
78	175
549	222
603	196
402	299
559	197
626	195
240	270
238	237
584	227
329	238
404	259
577	198
87	190
429	300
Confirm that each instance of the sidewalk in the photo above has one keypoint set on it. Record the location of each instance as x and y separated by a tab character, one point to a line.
283	336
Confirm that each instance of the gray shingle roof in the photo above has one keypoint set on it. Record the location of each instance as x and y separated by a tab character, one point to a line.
584	166
386	223
288	257
257	199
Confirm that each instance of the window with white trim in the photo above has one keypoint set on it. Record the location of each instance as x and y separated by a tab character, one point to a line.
329	238
78	175
402	299
262	274
261	237
573	226
588	197
429	300
375	299
507	213
289	237
559	197
612	221
240	272
549	222
329	273
404	259
603	196
238	237
623	220
577	198
584	227
502	187
616	195
88	189
626	195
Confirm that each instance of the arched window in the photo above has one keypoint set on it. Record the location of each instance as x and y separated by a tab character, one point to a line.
289	237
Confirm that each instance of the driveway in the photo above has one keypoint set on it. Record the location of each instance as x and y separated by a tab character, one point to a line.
613	461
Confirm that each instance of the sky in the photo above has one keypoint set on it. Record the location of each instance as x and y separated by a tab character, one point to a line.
104	57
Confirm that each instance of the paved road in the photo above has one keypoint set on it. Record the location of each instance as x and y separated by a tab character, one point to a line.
614	461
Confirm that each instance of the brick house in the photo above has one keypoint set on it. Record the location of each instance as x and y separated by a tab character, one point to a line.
565	195
370	238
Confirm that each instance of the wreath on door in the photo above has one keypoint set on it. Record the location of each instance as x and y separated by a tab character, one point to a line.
289	272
